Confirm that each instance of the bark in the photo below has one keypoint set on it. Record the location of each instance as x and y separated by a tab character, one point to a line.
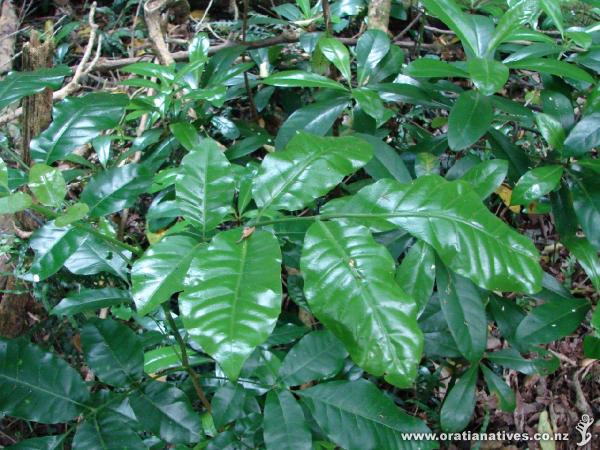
379	14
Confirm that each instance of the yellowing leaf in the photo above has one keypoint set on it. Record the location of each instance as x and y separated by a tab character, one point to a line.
505	193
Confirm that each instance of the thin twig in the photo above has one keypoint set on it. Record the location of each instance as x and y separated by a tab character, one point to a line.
253	110
408	27
327	16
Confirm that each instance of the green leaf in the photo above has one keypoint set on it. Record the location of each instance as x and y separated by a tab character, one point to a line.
551	129
552	67
105	431
318	355
37	385
73	213
349	284
47	184
205	186
371	48
416	273
232	296
488	75
3	175
459	403
113	351
464	311
94	255
337	54
502	147
498	387
551	321
308	168
17	85
90	300
586	255
433	68
370	102
469	119
163	358
167	412
53	246
552	10
519	13
485	177
300	78
536	183
586	202
316	118
450	217
40	443
386	162
115	189
15	203
358	416
511	359
159	273
77	120
584	136
284	424
186	134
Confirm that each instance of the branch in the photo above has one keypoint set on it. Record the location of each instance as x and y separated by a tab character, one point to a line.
152	11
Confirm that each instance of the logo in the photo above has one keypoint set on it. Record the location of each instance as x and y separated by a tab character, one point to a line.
584	424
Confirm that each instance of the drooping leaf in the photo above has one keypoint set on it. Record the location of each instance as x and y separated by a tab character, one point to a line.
284	425
349	284
371	48
91	299
416	273
586	203
449	216
47	184
536	183
519	13
469	119
300	78
167	412
318	355
552	67
115	189
159	273
357	416
498	387
3	174
37	385
113	351
337	54
205	186
485	177
511	359
386	161
232	296
76	121
17	85
308	168
459	403
586	255
488	75
552	10
106	431
464	311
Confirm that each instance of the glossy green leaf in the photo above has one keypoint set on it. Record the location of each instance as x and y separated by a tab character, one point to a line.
586	202
3	175
552	8
370	102
450	217
186	134
163	358
300	78
232	296
386	161
519	13
167	412
72	214
113	351
464	310
511	359
552	67
553	320
434	68
17	85
459	403
90	300
318	355
160	272
498	387
308	168
37	385
284	425
337	54
551	129
372	46
358	416
485	177
14	203
502	147
488	75
469	119
349	284
106	431
316	118
115	189
205	186
47	184
416	273
94	255
587	257
76	121
536	183
40	443
584	136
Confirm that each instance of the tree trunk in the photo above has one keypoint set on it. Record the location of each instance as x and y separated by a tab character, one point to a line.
379	14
